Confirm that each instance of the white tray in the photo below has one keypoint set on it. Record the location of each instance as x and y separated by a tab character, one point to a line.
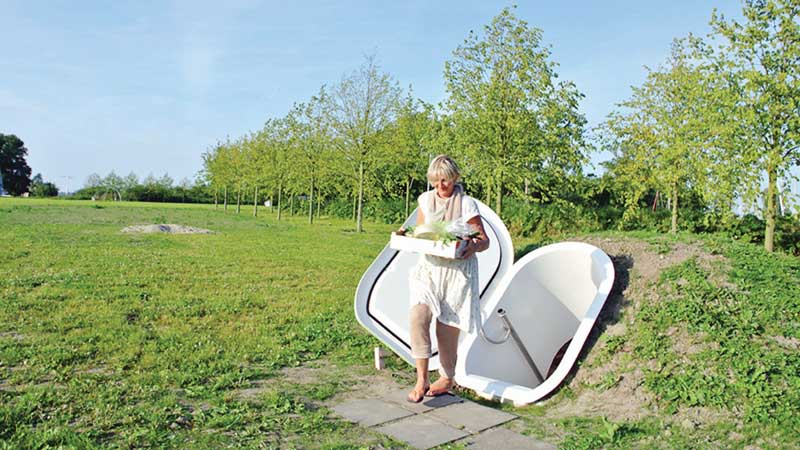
452	250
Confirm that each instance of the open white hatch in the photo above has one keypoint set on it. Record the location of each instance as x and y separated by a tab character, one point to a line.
542	310
537	313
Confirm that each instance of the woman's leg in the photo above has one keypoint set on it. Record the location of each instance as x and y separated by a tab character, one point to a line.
419	328
447	342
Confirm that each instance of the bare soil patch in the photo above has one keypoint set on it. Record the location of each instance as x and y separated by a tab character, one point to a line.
252	393
168	228
13	335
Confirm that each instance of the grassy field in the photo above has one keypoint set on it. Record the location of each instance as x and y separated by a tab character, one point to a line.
113	340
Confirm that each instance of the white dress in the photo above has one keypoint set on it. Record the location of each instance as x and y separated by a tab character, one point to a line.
448	286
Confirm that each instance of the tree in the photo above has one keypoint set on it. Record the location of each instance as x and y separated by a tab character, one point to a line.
362	104
274	165
762	55
413	143
514	122
183	187
662	138
311	142
115	184
41	188
217	171
129	185
14	170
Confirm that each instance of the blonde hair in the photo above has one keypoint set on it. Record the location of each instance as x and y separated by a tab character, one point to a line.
443	166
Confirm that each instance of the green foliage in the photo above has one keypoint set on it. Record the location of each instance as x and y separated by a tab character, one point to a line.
759	57
750	228
363	105
517	128
41	188
387	211
662	135
591	434
15	175
539	220
151	189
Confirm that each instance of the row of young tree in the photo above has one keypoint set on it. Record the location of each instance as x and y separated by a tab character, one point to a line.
720	118
150	189
514	128
710	128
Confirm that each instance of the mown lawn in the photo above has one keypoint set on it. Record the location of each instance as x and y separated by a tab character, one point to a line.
116	340
113	340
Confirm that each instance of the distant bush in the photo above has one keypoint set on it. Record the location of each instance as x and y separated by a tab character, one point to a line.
146	193
342	208
551	219
787	234
391	210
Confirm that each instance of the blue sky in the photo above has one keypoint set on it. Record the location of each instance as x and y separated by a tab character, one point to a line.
147	86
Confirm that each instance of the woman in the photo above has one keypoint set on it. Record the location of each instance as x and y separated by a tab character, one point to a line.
444	288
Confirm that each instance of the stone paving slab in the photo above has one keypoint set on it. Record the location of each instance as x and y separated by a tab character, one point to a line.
370	412
501	438
422	432
471	416
399	395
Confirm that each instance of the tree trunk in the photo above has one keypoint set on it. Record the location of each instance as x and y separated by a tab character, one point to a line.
280	190
291	205
674	228
216	191
255	203
355	205
409	182
498	203
359	227
311	203
769	215
226	199
239	200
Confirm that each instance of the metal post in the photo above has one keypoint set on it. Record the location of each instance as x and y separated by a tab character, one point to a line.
502	313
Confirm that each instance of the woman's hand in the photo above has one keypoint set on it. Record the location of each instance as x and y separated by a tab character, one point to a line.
468	249
472	247
478	243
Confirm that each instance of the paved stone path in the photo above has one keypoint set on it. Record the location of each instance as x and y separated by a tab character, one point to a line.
436	421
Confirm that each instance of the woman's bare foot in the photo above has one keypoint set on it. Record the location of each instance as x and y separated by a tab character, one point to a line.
418	393
441	386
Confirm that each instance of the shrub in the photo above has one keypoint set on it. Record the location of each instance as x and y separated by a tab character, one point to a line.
542	220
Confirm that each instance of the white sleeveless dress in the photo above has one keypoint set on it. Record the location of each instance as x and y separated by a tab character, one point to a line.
448	286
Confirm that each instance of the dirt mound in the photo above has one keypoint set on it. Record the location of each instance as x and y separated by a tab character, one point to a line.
612	386
170	228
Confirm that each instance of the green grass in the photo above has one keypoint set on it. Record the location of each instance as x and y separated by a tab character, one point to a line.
112	340
742	365
109	338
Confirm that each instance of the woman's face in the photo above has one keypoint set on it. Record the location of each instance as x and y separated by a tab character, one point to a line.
444	187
